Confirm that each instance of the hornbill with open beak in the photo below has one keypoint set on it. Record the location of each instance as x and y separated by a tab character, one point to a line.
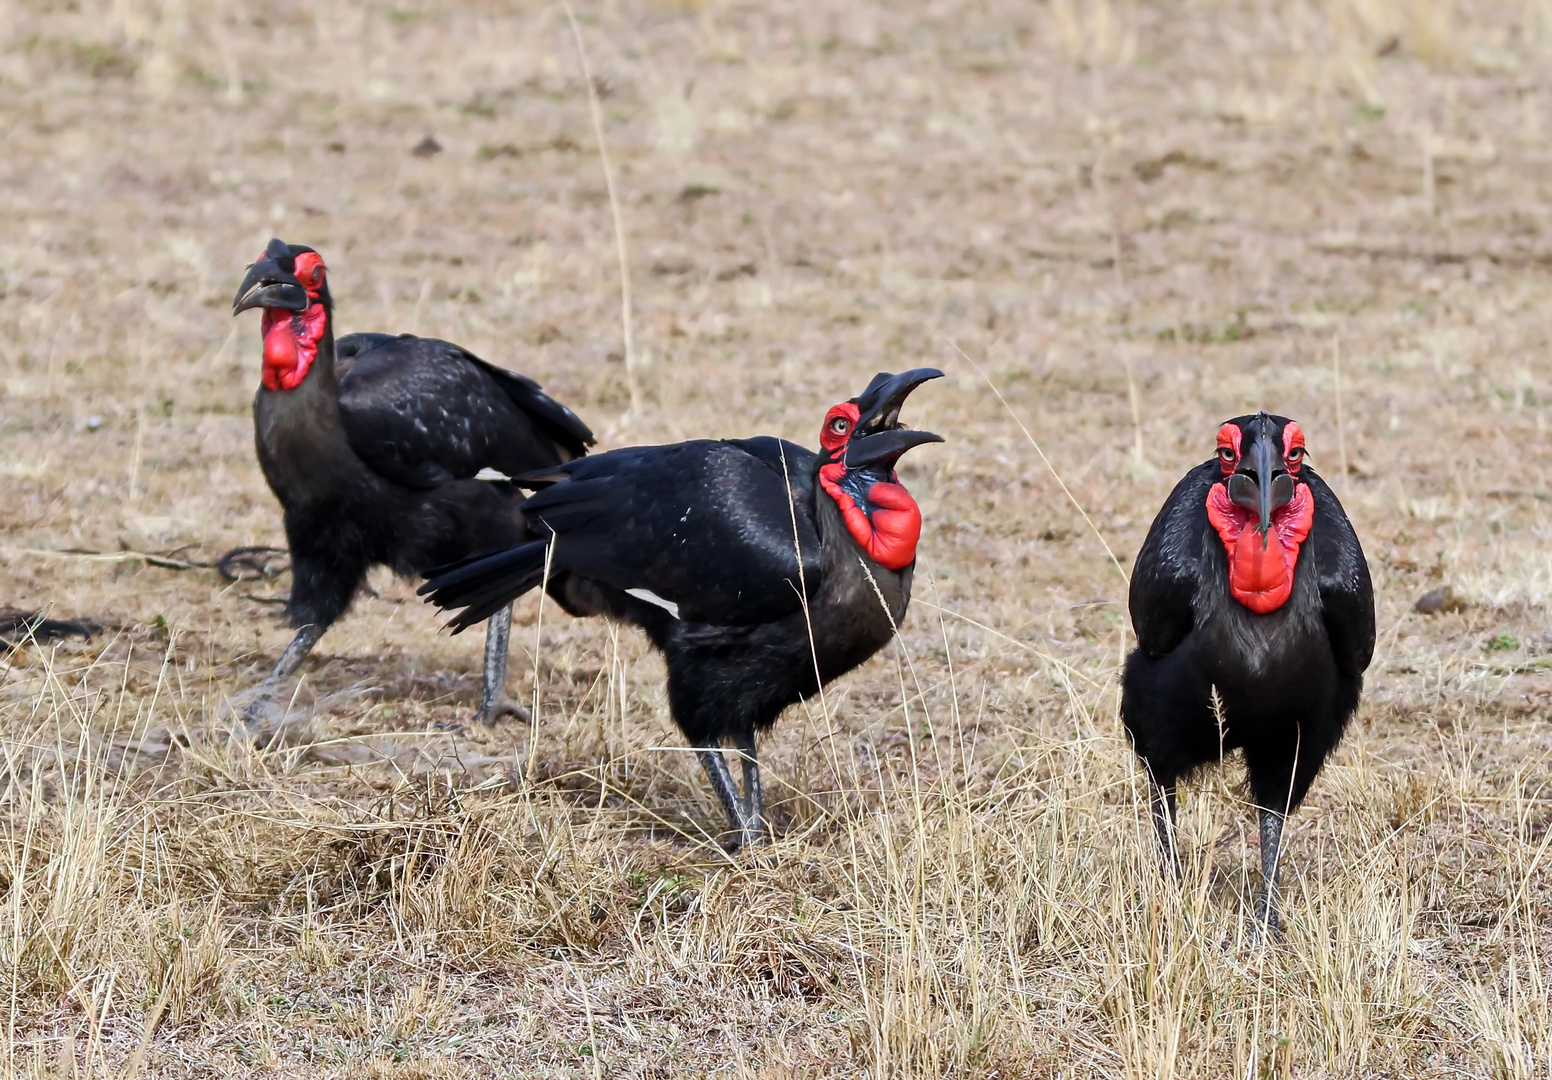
761	570
1251	581
388	451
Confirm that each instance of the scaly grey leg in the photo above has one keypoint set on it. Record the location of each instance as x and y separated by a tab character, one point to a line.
1162	801
755	829
1266	900
493	692
722	783
289	661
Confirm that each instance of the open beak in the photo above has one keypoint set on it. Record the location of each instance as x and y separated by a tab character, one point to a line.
886	447
879	405
1262	484
268	284
878	439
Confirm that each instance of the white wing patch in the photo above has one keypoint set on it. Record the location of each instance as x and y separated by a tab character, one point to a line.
488	473
653	598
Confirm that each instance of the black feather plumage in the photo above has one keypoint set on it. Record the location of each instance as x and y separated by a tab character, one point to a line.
376	452
740	570
1287	680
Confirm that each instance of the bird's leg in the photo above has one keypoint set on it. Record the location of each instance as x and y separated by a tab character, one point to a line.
494	701
1162	801
722	783
755	831
1266	900
289	661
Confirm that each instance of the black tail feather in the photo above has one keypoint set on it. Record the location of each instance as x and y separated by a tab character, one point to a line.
482	586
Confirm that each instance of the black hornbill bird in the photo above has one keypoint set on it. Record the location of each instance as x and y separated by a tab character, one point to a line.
1251	582
761	570
388	451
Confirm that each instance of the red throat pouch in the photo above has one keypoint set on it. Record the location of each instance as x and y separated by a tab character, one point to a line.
291	344
890	535
1261	572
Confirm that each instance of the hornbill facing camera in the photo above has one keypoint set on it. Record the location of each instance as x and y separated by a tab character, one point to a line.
761	570
1251	582
378	447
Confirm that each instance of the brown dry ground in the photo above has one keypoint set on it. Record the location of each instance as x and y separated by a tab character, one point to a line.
1138	221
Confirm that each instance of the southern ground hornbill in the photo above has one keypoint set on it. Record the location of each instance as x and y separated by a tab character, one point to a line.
1251	581
761	570
379	449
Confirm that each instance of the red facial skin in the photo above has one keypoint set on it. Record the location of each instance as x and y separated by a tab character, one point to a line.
838	423
1293	440
310	271
1229	439
1261	571
889	534
291	337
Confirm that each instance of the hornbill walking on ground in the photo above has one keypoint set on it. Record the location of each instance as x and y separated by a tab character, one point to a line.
1251	581
378	448
761	570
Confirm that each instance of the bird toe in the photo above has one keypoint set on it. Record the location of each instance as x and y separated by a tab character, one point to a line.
491	714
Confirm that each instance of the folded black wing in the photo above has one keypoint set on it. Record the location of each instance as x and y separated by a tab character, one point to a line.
423	412
1346	593
1169	565
706	526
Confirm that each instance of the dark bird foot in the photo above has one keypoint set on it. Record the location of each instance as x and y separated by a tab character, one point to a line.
754	834
490	713
268	719
260	714
1267	929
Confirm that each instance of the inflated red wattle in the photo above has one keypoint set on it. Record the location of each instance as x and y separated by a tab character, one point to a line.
288	356
1261	571
891	535
897	523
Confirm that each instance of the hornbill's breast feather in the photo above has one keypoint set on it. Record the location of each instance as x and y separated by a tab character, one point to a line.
1168	569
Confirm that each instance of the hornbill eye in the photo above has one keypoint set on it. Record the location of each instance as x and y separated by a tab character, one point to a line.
840	425
1227	455
1295	455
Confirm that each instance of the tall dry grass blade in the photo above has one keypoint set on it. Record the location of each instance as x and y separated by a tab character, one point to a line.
595	110
1125	577
1341	418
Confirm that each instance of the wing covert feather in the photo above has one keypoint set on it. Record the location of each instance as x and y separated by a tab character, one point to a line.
706	525
423	412
1168	567
1346	593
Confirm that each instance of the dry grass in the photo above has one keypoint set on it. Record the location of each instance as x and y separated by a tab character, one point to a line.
1138	219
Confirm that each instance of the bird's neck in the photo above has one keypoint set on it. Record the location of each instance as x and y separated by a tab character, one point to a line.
1261	566
303	449
859	602
297	344
878	513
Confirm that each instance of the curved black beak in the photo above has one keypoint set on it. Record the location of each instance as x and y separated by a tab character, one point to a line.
884	448
270	282
879	405
1261	484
